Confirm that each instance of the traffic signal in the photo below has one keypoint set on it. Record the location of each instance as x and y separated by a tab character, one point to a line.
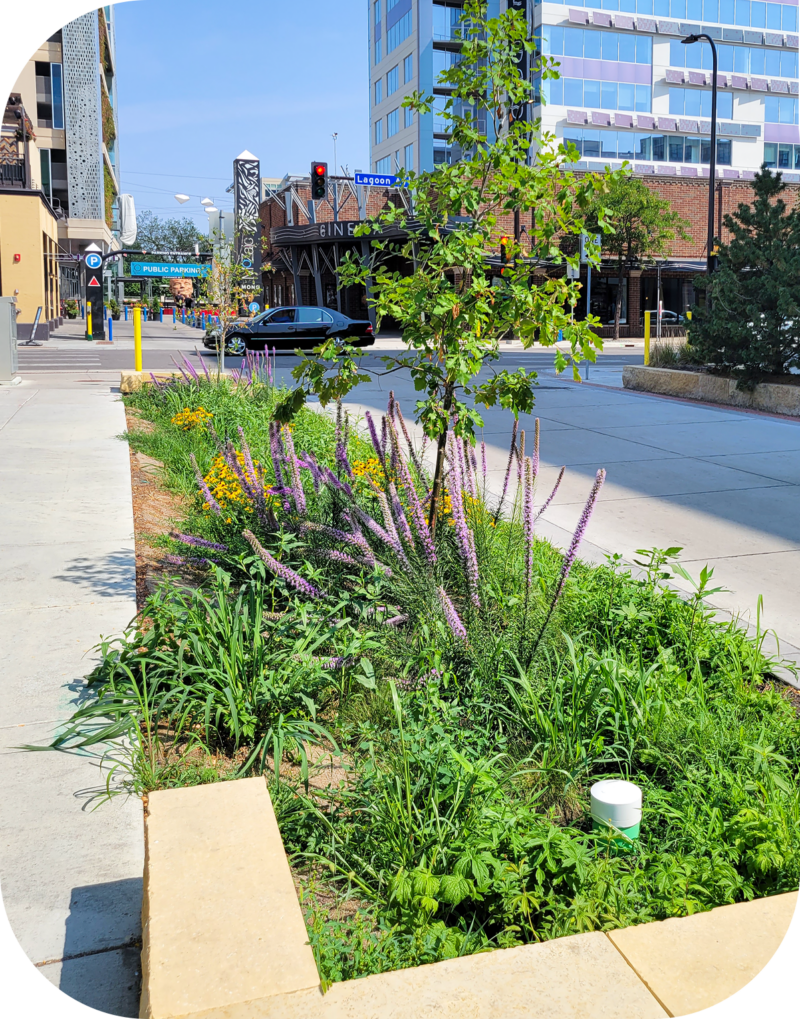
319	180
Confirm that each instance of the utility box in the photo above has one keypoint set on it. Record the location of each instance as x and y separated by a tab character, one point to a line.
8	342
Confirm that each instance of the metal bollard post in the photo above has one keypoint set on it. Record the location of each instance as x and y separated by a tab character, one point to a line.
647	337
110	329
126	312
137	339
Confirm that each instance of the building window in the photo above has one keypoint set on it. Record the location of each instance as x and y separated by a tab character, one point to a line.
57	87
392	80
384	165
695	102
408	116
379	91
738	59
755	14
441	153
445	21
659	148
398	33
46	173
378	56
780	109
378	131
441	125
392	123
376	7
782	156
579	42
443	60
602	95
408	156
408	68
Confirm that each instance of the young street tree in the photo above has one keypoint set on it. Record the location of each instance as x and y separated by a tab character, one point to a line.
223	286
451	300
644	228
750	324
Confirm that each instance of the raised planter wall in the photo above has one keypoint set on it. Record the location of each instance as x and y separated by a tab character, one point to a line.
767	396
224	938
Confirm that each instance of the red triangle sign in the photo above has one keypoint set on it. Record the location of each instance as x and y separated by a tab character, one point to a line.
93	282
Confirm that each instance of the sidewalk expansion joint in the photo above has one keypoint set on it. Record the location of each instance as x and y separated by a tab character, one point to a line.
133	943
639	975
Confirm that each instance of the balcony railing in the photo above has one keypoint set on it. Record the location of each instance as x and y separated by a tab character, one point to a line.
12	174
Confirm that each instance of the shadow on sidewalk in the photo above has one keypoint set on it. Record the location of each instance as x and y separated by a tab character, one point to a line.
109	576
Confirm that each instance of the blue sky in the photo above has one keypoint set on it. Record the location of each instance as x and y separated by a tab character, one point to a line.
200	82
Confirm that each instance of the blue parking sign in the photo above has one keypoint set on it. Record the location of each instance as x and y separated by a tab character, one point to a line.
254	306
93	260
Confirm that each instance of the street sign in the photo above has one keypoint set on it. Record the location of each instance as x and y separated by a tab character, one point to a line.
254	306
377	180
168	269
93	282
93	260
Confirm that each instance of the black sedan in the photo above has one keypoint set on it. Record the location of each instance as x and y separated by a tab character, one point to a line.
288	328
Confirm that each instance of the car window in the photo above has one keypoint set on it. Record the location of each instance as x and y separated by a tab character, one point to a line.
310	315
283	315
327	317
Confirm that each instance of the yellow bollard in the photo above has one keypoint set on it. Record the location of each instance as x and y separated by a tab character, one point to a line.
137	339
89	322
689	315
647	337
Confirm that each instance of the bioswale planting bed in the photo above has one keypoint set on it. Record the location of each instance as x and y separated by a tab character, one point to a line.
464	682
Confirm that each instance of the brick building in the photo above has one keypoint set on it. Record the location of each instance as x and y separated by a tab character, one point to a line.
306	241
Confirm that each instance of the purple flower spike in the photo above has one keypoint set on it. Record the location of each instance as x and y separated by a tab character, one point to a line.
552	494
204	366
452	617
509	465
376	445
483	465
580	530
528	521
400	514
417	513
289	576
294	470
520	458
276	452
205	490
535	454
464	536
190	539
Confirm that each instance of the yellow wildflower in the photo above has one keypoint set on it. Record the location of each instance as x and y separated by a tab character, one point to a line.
188	418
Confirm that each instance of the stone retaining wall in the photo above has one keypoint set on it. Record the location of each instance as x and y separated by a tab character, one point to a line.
767	396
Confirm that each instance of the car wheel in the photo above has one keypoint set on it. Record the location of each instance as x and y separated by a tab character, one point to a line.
236	346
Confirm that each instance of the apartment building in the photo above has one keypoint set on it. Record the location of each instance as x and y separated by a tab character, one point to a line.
67	152
629	89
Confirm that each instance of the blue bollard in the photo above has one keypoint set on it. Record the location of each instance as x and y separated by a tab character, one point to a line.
110	329
161	315
126	312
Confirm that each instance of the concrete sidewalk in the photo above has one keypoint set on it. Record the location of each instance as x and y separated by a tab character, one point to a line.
71	878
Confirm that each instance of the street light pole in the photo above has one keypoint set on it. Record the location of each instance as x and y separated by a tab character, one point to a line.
712	173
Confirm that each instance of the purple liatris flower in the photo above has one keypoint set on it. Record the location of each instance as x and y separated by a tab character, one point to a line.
276	452
535	454
550	497
376	445
464	536
190	539
283	572
294	472
450	614
417	514
400	515
509	465
520	459
580	530
205	491
528	521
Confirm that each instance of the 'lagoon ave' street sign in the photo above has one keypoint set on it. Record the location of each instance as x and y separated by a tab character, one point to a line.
168	269
377	180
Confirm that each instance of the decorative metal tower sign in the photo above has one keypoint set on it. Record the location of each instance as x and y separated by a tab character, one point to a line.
246	200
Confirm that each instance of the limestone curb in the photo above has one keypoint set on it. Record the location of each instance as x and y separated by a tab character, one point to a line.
770	397
224	938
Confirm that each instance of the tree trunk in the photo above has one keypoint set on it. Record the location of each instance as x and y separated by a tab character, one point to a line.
618	304
438	473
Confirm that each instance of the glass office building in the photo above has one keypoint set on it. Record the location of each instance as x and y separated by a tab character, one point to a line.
628	88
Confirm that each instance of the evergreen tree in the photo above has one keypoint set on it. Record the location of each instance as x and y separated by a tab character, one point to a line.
750	324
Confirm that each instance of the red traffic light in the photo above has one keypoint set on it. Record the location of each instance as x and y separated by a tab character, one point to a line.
319	180
319	170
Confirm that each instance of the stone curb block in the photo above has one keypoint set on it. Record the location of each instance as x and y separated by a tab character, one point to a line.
224	938
131	381
767	396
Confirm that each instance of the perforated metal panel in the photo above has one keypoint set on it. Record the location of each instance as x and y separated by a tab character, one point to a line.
81	49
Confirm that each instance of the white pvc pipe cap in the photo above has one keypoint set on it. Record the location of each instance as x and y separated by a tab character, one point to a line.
617	801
